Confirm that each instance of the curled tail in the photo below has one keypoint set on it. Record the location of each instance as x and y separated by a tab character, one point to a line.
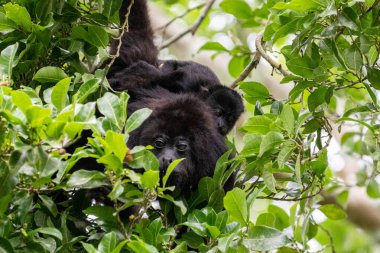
137	42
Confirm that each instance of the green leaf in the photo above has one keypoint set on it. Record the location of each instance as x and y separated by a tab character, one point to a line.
49	204
6	23
285	153
269	181
266	219
115	142
98	36
180	248
300	66
213	231
43	11
150	178
237	65
258	124
317	98
282	218
261	238
374	77
286	29
301	5
254	91
357	121
170	170
86	89
89	247
59	93
136	119
299	88
49	75
236	205
215	46
5	246
108	243
119	247
353	58
21	100
37	116
19	15
104	213
270	141
373	189
141	247
49	231
312	126
252	145
94	35
333	212
8	61
207	186
111	162
87	179
239	8
110	106
288	120
111	7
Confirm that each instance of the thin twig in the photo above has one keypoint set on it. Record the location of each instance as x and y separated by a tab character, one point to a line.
192	29
121	224
252	65
124	28
372	6
273	63
329	236
292	199
180	16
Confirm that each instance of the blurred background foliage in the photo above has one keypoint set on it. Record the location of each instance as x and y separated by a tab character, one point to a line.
307	148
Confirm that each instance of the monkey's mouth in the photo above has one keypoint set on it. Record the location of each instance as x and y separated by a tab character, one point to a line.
178	178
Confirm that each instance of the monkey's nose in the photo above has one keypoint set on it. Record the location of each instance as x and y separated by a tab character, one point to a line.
165	162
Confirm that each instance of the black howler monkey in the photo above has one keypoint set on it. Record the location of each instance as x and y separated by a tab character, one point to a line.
131	71
182	124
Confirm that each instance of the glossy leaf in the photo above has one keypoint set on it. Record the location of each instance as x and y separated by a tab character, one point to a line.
236	205
59	93
49	75
261	238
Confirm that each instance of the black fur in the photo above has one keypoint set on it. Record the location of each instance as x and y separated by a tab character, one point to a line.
177	114
180	116
137	44
137	67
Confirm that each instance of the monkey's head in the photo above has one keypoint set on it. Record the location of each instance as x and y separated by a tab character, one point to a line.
227	105
188	76
183	126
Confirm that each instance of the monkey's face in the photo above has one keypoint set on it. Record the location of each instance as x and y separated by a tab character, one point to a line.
227	106
168	149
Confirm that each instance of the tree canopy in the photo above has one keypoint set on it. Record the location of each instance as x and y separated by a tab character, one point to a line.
290	196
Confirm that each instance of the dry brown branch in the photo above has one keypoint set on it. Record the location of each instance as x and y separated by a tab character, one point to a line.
124	28
163	27
273	63
192	29
252	65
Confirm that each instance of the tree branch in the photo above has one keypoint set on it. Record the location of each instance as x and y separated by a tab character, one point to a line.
124	28
192	29
252	65
180	16
273	63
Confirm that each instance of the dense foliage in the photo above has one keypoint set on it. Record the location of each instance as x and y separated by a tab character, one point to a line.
52	85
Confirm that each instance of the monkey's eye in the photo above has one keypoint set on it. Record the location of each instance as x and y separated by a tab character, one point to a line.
159	143
181	147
